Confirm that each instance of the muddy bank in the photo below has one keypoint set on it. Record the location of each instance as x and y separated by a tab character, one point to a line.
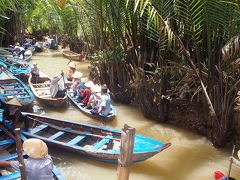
191	116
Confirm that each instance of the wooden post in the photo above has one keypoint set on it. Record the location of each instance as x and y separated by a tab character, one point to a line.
126	155
20	156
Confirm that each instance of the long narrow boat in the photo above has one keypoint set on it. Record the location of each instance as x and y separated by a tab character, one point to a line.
88	112
41	90
94	142
12	87
21	69
8	153
73	55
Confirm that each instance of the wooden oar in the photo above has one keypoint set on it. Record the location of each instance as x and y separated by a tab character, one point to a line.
74	131
63	81
7	131
230	165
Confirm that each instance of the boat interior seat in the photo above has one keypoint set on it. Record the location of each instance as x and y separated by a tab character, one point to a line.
39	128
22	97
102	143
6	142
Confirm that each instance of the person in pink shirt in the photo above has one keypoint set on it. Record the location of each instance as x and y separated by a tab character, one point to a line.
76	80
87	92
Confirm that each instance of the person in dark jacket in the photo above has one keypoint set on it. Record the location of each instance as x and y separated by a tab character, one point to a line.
13	115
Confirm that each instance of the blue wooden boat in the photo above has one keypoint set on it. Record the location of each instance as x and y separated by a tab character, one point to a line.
88	112
94	142
12	87
8	153
21	69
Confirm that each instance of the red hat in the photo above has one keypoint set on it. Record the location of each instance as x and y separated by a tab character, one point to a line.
218	175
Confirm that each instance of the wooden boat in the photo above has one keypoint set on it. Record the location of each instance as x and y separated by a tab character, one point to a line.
21	69
94	142
73	55
8	153
41	91
12	87
87	111
3	66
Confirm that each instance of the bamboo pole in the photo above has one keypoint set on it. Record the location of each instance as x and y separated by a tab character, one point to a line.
126	154
230	165
20	156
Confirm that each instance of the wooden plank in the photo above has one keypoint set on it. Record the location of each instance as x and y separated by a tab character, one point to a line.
41	88
6	142
41	84
14	89
58	134
76	139
13	94
22	97
39	128
101	143
11	176
11	84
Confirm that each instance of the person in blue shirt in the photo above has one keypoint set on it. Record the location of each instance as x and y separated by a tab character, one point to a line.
39	165
105	106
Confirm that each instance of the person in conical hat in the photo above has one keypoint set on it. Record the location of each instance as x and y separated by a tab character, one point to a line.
13	115
71	71
39	165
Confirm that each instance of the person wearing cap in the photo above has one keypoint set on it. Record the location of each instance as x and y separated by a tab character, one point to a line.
13	114
76	80
35	73
71	71
39	165
105	106
55	90
94	102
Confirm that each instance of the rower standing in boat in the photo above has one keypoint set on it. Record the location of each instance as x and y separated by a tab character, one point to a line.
14	115
71	71
39	165
35	73
56	91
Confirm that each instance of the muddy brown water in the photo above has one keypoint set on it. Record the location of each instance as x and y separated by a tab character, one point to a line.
191	157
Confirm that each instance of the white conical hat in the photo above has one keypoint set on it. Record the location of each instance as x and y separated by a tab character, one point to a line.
72	64
77	75
35	148
89	84
96	88
14	102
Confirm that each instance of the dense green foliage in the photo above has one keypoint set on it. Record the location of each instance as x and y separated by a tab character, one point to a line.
150	50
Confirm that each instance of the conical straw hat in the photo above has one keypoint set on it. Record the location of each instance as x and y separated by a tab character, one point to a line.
35	148
14	102
96	88
77	75
89	84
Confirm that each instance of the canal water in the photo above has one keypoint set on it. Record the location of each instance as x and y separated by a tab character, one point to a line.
191	157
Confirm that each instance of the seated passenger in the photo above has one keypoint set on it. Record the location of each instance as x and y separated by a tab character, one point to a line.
76	81
105	106
94	101
87	92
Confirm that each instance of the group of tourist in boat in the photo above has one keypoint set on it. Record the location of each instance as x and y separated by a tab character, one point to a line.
93	96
